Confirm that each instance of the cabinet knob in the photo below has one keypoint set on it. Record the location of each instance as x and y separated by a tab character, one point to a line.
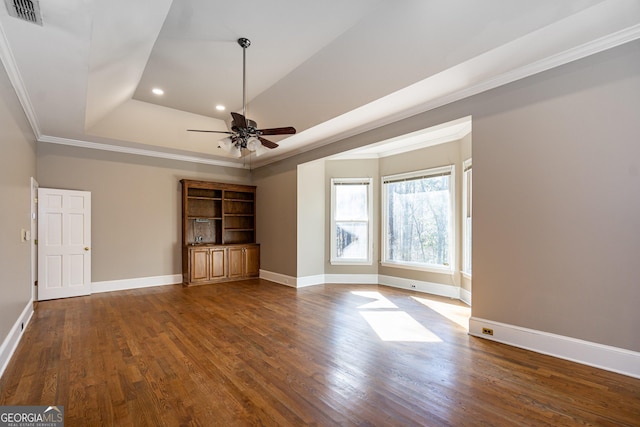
86	248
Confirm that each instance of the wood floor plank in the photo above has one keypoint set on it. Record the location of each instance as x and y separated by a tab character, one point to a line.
255	353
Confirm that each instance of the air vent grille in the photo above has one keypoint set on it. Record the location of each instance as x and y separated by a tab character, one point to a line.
27	10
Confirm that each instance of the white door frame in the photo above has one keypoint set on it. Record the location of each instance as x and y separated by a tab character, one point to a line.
34	239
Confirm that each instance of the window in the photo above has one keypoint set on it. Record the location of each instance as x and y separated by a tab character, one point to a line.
350	221
466	214
417	222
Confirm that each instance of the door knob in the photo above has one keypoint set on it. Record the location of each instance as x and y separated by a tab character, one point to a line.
86	248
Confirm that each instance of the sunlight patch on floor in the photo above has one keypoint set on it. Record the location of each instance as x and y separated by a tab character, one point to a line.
454	312
380	300
398	326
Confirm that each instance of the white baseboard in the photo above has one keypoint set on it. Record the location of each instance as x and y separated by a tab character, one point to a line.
10	343
601	356
352	279
420	286
140	282
367	279
465	296
303	282
281	279
318	279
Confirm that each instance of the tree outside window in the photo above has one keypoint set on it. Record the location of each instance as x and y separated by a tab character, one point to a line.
418	218
351	204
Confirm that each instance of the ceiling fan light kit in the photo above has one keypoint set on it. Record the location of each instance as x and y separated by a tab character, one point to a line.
245	135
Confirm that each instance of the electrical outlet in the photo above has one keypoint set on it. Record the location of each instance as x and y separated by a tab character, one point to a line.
487	331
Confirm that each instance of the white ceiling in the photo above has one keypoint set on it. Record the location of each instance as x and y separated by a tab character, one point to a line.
331	69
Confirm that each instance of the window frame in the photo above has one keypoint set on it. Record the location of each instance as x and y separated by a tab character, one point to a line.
467	212
434	268
334	260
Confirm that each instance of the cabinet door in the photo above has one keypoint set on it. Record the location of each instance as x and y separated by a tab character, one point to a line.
236	262
199	264
217	263
252	261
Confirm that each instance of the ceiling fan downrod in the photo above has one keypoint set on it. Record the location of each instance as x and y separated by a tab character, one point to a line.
244	43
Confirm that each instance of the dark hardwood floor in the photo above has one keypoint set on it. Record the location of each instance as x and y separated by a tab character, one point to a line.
257	353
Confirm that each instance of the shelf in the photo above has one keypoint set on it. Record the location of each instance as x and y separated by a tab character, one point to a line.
204	193
241	196
215	215
204	198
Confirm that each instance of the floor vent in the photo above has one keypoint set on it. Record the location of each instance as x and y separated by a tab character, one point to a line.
27	10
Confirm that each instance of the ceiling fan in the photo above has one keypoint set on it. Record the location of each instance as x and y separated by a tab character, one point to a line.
245	135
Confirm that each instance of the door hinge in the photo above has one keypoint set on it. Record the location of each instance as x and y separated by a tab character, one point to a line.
35	283
35	242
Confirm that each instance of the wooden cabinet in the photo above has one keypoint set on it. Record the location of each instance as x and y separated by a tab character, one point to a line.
199	261
210	264
218	232
244	261
217	263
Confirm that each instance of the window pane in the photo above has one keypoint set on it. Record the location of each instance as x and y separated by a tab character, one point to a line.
351	240
351	202
351	229
418	220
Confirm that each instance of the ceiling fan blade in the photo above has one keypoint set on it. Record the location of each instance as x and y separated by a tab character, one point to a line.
267	143
209	131
239	120
278	131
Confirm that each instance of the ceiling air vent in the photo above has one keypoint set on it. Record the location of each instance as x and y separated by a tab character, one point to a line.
27	10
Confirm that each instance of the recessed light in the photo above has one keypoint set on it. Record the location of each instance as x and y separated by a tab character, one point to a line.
220	107
157	91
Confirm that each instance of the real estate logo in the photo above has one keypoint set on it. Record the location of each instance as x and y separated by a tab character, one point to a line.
31	416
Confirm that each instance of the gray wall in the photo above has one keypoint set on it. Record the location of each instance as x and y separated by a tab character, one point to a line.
556	197
277	219
557	201
17	166
136	205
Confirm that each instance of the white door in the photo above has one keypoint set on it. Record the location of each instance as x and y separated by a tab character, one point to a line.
64	243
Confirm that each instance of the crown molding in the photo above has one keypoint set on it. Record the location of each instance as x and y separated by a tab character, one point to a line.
139	152
429	142
570	55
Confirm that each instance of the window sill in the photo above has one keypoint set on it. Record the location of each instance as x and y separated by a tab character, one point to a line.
466	275
349	262
440	270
